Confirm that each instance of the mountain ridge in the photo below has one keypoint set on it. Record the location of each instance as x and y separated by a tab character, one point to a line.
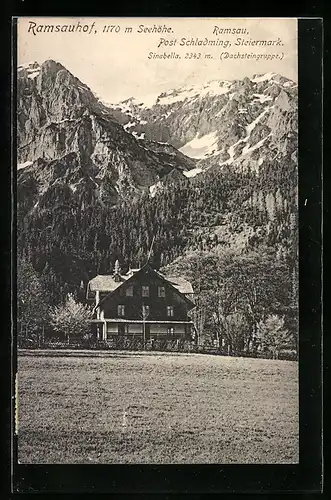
221	122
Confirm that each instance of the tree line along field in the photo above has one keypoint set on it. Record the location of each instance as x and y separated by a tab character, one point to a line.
167	408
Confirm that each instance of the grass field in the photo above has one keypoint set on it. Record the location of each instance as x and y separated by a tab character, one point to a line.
140	408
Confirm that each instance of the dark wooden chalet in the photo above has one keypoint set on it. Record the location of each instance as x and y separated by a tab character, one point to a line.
141	303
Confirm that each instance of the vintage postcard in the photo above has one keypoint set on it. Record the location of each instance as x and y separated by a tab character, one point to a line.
157	241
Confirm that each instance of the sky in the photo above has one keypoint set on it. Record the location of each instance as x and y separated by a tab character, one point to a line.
115	64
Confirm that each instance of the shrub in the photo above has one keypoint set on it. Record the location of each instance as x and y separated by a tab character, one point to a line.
72	319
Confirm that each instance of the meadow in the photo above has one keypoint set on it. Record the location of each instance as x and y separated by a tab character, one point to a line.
156	408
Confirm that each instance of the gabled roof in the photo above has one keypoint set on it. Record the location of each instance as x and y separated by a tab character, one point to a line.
178	282
107	283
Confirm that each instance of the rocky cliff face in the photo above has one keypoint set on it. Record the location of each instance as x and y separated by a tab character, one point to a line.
67	136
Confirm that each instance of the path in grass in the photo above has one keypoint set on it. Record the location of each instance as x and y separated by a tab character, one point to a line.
157	409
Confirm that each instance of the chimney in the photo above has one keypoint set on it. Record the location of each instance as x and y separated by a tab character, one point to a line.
117	271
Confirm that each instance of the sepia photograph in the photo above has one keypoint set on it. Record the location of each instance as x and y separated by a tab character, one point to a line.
157	241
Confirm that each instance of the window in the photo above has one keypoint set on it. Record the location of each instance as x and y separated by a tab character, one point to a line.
171	330
121	310
145	291
129	291
170	311
161	291
145	311
112	329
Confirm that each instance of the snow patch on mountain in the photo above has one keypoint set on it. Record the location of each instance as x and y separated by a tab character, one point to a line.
213	88
289	84
261	98
147	101
32	69
201	147
248	148
33	75
154	189
139	136
263	78
231	152
252	125
193	172
24	165
129	125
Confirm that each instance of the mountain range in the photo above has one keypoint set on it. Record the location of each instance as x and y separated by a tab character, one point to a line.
221	122
200	166
132	145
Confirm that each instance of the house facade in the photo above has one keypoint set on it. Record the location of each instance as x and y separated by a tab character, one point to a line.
142	303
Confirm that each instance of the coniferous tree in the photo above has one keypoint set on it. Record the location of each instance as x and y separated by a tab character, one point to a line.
32	300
